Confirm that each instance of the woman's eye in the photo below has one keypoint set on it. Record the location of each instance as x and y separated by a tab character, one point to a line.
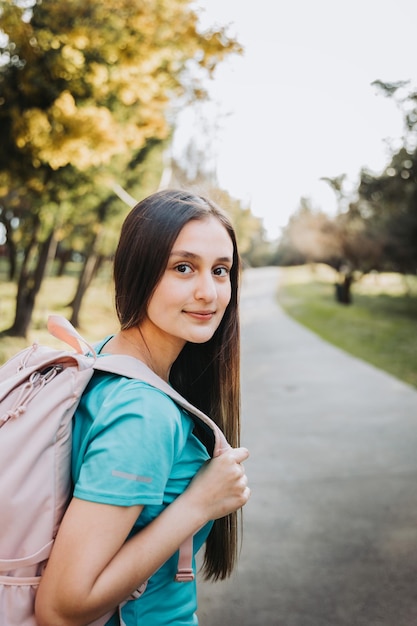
183	268
221	271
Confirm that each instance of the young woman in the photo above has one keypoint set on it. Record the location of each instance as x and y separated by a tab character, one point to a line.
143	482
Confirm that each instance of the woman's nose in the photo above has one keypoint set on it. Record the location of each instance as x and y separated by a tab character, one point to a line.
206	287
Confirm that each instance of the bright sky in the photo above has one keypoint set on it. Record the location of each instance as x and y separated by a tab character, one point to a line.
299	104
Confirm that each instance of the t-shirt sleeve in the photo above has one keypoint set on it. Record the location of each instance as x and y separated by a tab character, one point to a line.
132	443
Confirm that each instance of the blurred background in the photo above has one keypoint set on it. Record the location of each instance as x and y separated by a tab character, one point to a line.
299	118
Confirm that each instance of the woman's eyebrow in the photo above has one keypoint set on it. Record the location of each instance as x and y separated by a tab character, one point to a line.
186	254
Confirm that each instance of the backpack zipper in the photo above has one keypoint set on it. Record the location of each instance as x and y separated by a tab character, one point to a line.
37	381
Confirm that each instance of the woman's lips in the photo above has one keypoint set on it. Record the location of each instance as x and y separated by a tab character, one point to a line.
201	315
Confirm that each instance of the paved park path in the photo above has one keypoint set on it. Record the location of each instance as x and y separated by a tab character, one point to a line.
330	532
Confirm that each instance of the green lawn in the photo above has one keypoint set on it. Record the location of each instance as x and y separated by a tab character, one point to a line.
380	326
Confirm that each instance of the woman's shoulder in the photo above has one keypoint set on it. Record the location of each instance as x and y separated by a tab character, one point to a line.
129	410
119	388
113	395
112	398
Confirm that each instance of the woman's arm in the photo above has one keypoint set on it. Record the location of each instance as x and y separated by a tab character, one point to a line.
93	568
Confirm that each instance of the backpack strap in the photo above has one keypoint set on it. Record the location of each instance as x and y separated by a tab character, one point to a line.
62	329
131	367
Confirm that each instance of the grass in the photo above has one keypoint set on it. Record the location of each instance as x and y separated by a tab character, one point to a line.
380	326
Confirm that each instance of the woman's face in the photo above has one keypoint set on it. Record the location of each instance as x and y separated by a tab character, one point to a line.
191	298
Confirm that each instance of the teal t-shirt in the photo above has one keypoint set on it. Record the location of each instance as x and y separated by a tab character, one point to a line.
133	445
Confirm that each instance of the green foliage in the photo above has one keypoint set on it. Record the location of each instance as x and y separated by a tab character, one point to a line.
379	327
85	82
388	206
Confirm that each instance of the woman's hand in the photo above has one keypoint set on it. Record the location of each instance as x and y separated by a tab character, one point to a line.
221	485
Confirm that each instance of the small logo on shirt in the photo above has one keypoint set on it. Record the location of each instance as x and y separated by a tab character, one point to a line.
139	479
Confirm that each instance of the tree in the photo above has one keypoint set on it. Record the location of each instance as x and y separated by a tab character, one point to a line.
344	242
84	89
389	200
375	227
310	236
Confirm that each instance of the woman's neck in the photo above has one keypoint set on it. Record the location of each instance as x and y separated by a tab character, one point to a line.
132	342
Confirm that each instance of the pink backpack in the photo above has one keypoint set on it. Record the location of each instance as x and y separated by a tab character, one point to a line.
40	388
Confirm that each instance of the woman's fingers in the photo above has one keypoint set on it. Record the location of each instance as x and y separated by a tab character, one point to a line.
239	454
221	486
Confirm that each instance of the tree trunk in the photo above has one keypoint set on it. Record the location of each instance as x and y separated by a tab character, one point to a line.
30	282
343	290
88	272
64	258
91	264
12	258
10	248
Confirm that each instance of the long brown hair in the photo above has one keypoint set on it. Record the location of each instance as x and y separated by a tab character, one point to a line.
207	374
